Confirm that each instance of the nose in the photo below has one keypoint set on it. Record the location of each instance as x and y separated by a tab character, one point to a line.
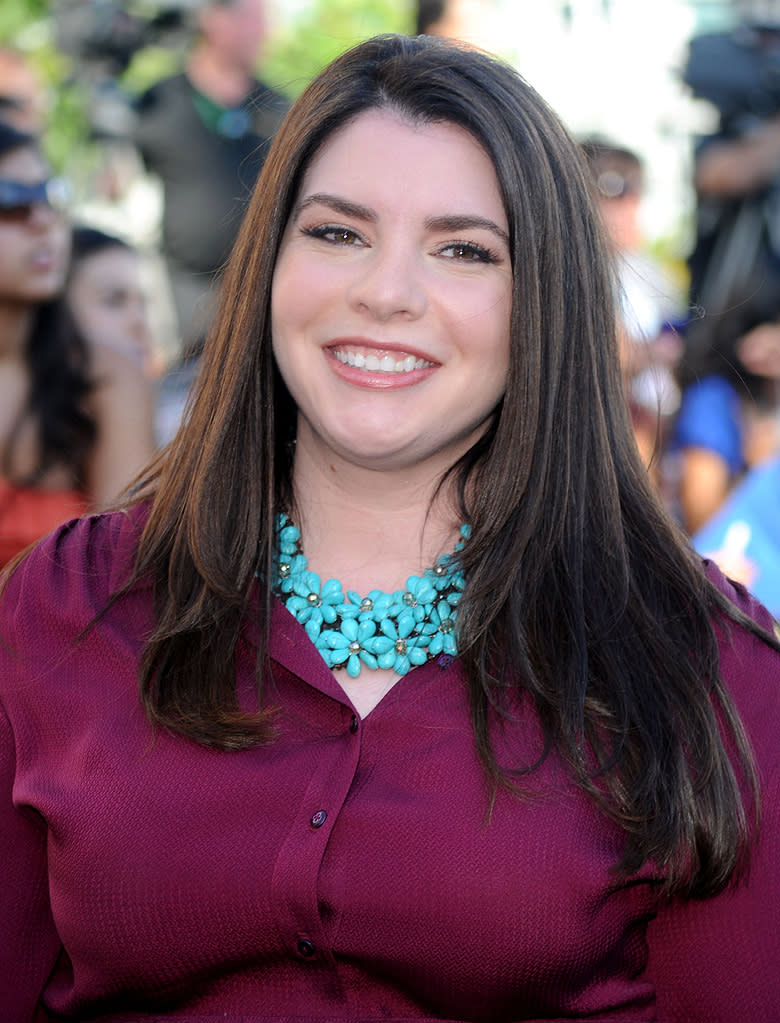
42	215
138	317
389	283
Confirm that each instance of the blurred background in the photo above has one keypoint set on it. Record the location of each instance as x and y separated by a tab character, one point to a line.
158	115
607	66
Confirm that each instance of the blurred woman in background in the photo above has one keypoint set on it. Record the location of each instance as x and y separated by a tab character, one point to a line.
75	418
107	298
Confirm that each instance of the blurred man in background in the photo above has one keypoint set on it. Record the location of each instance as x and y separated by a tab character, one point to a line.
205	133
24	102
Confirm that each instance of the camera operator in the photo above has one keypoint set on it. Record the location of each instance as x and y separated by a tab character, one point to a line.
737	170
727	420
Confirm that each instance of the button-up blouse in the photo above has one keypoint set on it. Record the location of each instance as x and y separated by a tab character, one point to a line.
347	870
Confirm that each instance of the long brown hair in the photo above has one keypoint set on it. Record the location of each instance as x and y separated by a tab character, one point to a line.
581	594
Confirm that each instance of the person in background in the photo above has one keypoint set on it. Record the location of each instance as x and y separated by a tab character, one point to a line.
106	296
464	20
737	169
727	421
435	17
24	101
392	692
73	427
728	417
204	133
648	300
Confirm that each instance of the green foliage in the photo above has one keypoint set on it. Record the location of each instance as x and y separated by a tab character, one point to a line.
27	25
300	48
328	27
17	16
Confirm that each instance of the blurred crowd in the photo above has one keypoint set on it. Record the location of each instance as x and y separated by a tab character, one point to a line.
90	390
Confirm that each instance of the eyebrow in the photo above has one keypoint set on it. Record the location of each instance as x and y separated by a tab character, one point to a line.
446	222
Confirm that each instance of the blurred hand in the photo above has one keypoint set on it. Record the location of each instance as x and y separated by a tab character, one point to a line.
759	350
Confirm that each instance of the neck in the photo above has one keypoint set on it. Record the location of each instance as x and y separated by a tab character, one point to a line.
15	325
370	528
223	82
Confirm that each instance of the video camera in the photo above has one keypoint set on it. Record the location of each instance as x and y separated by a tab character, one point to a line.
738	71
109	33
102	37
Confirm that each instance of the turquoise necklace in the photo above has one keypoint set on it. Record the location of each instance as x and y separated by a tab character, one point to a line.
383	630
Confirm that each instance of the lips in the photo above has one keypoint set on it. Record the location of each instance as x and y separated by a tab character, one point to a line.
45	259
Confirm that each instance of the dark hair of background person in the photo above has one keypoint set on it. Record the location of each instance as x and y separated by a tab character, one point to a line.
88	241
714	351
428	13
616	170
58	364
582	595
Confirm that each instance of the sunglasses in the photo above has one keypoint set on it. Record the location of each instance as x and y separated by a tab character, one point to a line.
614	185
17	198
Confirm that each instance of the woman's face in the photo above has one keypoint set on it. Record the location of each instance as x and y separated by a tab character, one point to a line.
392	295
34	237
108	302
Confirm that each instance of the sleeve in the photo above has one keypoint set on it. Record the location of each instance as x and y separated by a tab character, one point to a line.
717	960
709	418
44	602
29	943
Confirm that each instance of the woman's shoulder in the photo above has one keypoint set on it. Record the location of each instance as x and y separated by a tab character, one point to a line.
63	582
709	397
716	959
709	417
750	666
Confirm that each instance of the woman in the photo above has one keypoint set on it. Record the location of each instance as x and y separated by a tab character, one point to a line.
486	773
74	419
106	295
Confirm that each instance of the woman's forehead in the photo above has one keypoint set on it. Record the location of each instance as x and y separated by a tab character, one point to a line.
383	154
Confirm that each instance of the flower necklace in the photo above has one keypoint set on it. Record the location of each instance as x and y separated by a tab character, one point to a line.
383	630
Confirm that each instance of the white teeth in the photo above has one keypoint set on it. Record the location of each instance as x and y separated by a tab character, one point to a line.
387	364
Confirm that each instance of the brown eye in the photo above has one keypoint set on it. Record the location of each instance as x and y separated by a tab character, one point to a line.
334	234
468	252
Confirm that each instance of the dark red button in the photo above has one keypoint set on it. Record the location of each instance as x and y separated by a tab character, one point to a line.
354	724
319	818
306	948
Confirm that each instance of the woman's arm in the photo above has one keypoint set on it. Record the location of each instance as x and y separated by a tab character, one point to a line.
123	407
705	481
736	167
29	944
717	960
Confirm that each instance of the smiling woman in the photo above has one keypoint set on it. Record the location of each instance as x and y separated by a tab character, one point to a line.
392	692
391	302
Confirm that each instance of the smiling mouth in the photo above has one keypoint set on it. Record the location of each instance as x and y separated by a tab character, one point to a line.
380	364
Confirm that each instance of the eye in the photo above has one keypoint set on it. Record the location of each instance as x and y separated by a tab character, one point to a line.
468	252
334	234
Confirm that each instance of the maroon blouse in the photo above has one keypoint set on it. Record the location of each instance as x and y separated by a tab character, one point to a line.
347	871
